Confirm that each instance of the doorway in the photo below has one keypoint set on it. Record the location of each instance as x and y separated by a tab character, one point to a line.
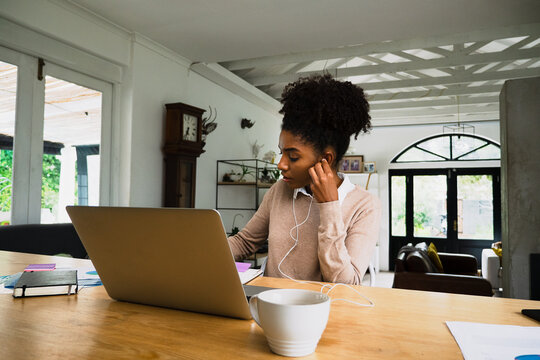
458	209
55	139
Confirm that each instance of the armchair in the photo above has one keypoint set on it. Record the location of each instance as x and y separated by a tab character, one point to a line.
414	270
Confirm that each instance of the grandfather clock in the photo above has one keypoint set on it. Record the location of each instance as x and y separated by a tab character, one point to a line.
183	145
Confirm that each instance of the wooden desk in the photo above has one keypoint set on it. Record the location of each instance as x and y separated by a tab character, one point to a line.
404	324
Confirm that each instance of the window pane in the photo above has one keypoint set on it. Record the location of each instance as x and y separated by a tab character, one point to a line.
72	134
415	154
439	146
429	198
8	93
490	152
463	144
438	149
475	207
398	205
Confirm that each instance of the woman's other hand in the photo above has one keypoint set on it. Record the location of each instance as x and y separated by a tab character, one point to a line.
324	182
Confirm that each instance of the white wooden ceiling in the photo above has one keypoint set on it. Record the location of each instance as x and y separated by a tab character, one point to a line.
414	81
72	113
416	59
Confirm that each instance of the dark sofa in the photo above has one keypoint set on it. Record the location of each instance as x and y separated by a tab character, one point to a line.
45	239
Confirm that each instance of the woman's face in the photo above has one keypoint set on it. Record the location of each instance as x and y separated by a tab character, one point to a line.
296	159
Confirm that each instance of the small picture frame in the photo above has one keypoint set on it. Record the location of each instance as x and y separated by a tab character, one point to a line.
369	167
352	164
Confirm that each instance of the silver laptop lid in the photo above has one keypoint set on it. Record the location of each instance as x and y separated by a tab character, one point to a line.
176	258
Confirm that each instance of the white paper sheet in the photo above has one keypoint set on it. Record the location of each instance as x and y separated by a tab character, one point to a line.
4	290
249	275
493	342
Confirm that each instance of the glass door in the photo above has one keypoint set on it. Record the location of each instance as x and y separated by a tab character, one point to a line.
429	206
456	209
8	97
478	210
61	120
71	143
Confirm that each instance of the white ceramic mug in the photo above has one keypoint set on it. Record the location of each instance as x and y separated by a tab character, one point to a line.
293	320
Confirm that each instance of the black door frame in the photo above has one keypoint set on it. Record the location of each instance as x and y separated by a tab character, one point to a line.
451	242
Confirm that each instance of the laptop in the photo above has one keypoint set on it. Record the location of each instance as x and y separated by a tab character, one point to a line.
169	257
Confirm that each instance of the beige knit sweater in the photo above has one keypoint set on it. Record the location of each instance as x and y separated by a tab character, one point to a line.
335	243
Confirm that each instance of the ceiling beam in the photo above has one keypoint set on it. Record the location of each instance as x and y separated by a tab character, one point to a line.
455	89
427	103
456	59
385	47
407	56
380	122
228	80
427	112
435	93
373	59
477	45
458	79
339	63
521	43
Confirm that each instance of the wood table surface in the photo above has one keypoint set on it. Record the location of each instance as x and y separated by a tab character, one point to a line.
403	324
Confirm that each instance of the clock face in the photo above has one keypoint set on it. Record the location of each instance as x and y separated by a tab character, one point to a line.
190	128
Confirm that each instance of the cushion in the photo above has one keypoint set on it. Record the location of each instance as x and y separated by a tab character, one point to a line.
418	260
434	256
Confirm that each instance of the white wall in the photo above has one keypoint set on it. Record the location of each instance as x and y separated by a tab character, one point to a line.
383	143
71	25
158	80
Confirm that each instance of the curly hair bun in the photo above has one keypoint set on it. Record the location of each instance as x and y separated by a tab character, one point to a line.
324	102
325	112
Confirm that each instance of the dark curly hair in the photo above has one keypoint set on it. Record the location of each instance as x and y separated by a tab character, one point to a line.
325	112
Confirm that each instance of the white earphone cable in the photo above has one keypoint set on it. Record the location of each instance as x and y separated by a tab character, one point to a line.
330	287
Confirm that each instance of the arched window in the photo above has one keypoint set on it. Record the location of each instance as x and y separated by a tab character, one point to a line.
450	147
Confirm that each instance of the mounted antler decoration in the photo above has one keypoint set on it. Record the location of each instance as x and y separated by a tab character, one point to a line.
246	123
209	124
255	149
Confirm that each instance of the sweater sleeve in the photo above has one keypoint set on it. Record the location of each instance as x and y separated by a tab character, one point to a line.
344	254
255	233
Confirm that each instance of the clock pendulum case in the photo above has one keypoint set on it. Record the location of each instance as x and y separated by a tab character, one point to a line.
183	145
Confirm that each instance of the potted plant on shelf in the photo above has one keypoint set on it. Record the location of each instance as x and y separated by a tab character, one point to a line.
266	178
274	175
245	170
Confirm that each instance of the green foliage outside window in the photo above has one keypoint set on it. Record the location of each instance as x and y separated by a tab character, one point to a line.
6	159
50	180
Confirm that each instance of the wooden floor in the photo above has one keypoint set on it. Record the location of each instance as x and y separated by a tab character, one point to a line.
383	279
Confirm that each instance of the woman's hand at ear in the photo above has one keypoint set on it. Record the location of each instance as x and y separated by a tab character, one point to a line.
324	182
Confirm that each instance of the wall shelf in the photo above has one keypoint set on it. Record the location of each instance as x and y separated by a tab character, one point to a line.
250	188
255	168
247	183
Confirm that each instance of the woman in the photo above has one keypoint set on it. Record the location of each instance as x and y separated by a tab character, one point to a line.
318	224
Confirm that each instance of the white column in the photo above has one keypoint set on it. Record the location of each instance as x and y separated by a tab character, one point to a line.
520	171
92	163
28	144
66	196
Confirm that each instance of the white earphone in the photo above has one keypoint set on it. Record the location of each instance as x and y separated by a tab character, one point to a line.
323	286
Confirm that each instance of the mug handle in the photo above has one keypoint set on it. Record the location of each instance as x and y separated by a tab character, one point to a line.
254	308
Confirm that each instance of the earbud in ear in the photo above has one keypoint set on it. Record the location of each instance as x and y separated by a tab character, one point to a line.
328	158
